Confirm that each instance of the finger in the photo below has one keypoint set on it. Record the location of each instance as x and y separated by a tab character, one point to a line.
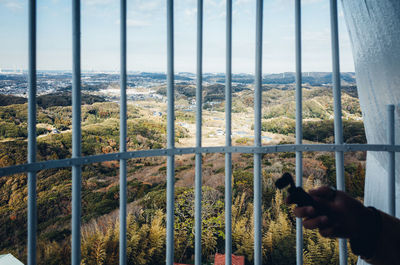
323	204
288	200
306	211
324	192
317	222
329	232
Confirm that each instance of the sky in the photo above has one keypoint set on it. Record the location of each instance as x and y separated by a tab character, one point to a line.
146	45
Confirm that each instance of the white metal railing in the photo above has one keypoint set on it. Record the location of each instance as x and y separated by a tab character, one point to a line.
77	161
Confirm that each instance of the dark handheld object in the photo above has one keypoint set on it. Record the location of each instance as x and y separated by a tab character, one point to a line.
297	194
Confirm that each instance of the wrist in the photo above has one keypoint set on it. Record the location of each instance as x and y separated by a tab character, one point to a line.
364	241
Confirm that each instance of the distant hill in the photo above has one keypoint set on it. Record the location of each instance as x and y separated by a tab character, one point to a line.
6	100
50	100
311	78
65	99
211	92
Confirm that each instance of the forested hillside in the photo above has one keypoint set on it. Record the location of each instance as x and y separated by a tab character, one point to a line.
146	180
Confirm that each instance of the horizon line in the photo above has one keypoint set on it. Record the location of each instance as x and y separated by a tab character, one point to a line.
19	71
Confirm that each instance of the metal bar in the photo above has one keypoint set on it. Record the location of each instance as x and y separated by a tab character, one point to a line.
391	168
199	104
122	140
299	127
170	133
32	215
76	133
228	132
336	89
257	134
6	171
340	184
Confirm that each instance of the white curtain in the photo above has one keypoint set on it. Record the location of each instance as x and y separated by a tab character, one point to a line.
374	28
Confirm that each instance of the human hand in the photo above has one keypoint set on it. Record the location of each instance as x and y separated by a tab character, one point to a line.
335	214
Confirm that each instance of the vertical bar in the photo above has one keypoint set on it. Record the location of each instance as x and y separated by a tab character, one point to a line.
122	140
199	92
170	132
228	132
391	169
76	132
32	220
299	127
257	134
338	115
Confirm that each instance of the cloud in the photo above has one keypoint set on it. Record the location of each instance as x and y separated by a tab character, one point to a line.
291	2
240	2
317	36
311	1
135	23
148	5
190	12
303	2
142	10
97	2
216	3
12	4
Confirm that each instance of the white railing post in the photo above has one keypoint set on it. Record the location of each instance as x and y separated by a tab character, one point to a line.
299	127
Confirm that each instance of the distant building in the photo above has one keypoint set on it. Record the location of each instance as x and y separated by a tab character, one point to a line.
188	110
9	259
157	114
220	259
183	124
55	131
220	132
